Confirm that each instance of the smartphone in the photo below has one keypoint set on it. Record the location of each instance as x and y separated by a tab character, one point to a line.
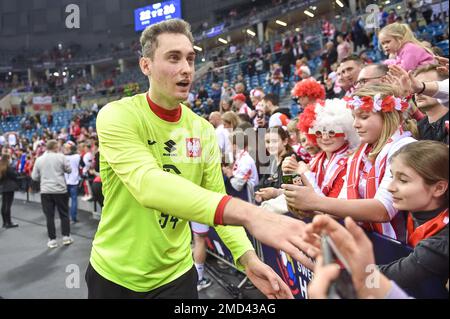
342	287
288	179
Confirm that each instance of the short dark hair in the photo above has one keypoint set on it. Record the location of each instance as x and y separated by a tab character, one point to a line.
244	117
354	58
271	98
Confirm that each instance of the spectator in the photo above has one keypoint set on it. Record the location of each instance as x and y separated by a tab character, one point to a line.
9	183
431	127
329	126
73	178
397	39
371	74
286	60
347	73
239	87
243	172
420	186
240	105
343	49
278	116
308	91
277	145
49	169
222	134
330	55
276	79
368	165
357	249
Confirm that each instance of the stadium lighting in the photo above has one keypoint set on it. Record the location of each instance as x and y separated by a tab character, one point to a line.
198	48
339	3
282	23
308	13
399	7
203	59
56	74
9	73
250	32
222	41
64	73
387	2
297	29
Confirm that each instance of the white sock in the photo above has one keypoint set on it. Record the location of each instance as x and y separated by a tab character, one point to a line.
200	270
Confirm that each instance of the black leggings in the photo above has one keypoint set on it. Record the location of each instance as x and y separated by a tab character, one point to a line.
7	200
184	287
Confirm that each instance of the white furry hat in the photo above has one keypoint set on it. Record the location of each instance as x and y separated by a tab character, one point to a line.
334	115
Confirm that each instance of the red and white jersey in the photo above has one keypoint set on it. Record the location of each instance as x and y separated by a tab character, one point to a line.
244	169
368	180
327	175
245	109
278	119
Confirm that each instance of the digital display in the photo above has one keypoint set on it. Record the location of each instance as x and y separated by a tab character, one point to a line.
215	30
145	16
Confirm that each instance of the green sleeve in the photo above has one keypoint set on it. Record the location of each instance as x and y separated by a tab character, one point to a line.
121	145
234	237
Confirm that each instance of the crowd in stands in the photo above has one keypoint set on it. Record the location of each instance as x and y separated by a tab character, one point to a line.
356	130
356	145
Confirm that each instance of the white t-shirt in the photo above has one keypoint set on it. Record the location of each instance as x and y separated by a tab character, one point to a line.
12	139
74	177
87	159
2	140
223	139
244	171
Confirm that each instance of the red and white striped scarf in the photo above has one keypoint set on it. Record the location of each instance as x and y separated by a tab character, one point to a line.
325	176
374	177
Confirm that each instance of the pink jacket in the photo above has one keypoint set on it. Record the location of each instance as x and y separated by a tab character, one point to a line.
410	56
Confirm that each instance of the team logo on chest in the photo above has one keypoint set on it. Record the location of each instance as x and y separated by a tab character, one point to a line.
193	147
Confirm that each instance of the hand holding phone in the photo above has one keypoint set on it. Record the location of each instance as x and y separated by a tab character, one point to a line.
342	287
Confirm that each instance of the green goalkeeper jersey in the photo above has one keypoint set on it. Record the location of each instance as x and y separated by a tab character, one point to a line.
157	175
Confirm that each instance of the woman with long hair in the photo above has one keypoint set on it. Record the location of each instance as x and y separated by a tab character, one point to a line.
278	147
9	183
419	186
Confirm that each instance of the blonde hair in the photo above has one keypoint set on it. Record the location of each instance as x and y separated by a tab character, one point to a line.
391	120
292	126
403	33
231	118
149	37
